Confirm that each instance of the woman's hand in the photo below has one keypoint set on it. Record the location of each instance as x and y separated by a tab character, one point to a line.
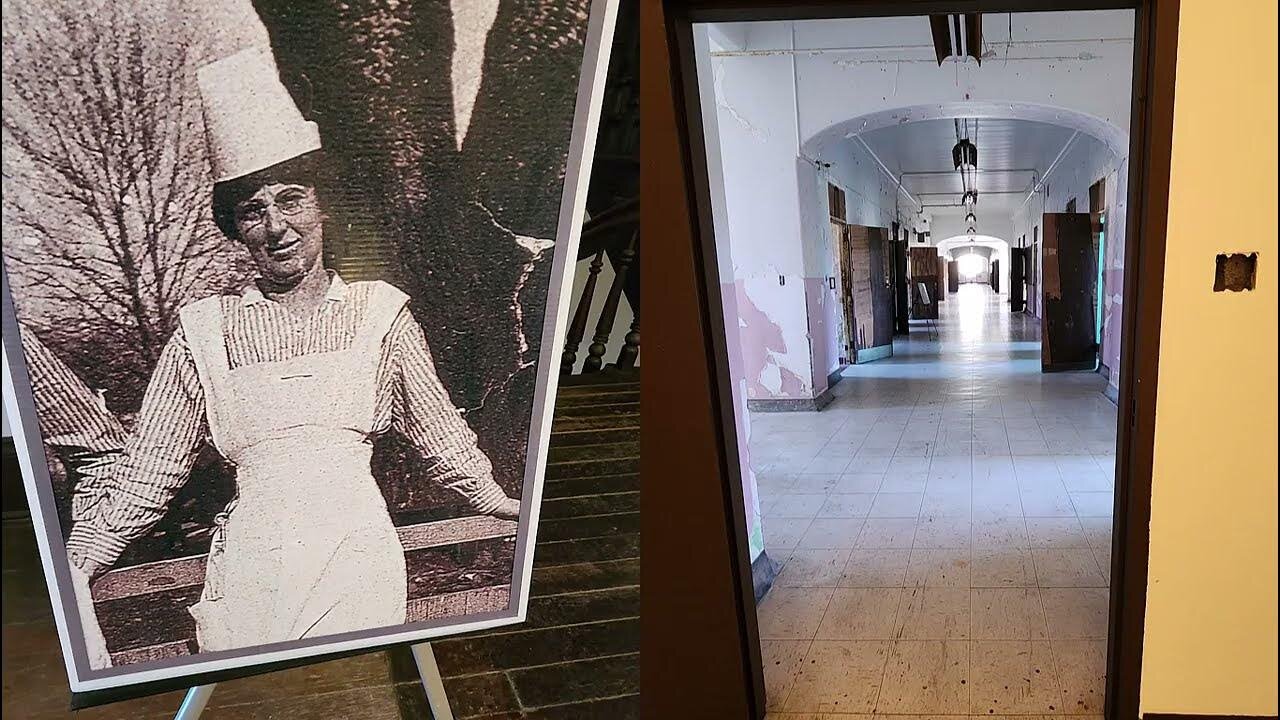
95	642
509	509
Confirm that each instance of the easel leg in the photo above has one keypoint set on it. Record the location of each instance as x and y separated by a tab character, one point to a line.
431	682
193	704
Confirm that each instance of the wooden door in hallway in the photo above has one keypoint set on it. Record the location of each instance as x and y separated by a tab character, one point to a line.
879	249
901	303
872	295
1017	279
1032	274
1067	339
844	264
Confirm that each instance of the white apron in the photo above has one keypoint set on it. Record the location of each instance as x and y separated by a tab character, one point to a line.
307	547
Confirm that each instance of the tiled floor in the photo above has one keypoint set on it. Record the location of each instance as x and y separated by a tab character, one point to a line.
944	530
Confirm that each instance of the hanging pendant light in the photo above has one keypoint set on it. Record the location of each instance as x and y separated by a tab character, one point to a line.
965	154
957	35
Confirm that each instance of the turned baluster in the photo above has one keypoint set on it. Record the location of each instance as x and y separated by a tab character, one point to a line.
630	346
604	326
578	327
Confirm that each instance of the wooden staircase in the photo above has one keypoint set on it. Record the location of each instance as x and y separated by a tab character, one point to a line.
577	656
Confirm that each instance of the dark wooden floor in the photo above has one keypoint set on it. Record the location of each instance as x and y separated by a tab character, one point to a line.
575	658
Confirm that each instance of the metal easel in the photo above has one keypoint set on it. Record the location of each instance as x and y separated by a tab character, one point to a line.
198	697
929	324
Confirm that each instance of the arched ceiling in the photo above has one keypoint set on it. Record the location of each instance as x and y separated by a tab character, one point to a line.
963	241
1012	154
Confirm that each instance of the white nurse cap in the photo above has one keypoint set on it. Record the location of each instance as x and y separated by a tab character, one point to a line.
251	122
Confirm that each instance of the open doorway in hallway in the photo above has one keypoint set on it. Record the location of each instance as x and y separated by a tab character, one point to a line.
929	513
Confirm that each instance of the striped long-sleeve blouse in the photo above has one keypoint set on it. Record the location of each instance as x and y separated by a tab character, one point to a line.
73	422
172	425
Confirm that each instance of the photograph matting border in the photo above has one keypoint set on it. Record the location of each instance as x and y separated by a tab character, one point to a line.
20	408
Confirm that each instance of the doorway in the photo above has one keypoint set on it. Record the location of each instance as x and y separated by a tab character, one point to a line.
1133	450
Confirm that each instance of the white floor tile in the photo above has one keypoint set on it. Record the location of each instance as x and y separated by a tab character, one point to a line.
946	521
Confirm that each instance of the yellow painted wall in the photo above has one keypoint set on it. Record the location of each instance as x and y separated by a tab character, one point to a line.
1211	606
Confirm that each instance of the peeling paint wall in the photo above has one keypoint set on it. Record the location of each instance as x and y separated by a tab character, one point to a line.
774	346
756	123
729	294
817	247
823	306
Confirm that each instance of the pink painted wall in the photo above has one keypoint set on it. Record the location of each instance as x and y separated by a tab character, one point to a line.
765	348
742	425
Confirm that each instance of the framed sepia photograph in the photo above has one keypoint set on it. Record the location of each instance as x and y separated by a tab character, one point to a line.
284	284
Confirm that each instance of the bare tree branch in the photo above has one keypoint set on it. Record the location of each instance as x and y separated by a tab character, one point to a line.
108	230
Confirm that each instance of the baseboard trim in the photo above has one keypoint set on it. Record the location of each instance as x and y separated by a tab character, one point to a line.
763	572
1104	371
836	376
824	399
1113	393
792	404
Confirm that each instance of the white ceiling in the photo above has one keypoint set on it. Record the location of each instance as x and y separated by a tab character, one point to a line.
1009	152
1004	35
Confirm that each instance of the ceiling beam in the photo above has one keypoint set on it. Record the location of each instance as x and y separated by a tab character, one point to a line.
984	193
1035	188
885	169
881	49
991	209
980	171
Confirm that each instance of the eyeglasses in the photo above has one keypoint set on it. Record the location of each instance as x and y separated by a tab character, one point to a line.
290	201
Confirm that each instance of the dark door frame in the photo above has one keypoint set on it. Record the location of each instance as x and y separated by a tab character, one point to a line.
679	153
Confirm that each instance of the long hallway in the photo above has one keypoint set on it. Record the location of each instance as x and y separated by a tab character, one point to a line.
943	530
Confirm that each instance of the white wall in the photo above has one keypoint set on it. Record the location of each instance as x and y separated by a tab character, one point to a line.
728	291
757	139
